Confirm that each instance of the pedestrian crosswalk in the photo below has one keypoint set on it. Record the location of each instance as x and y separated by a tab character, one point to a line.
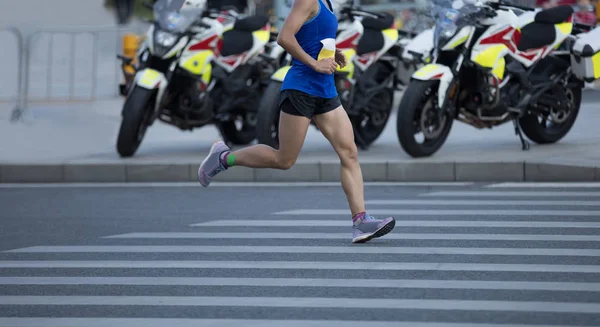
458	257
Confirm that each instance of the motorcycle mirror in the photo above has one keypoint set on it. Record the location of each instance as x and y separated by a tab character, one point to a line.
457	4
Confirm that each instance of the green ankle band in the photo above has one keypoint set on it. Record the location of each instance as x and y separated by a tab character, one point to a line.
230	160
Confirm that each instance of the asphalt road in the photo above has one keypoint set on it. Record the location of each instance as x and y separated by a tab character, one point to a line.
181	255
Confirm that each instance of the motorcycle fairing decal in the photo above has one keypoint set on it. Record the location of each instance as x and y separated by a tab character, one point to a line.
429	71
390	37
493	58
392	34
279	75
436	71
509	36
199	64
461	37
149	78
208	43
350	42
180	45
262	35
349	68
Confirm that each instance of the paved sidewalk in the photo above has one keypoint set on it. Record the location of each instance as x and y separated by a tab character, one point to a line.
76	142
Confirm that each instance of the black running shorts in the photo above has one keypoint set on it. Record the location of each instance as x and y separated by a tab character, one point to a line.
298	103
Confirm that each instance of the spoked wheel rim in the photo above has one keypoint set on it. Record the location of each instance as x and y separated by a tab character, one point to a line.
372	123
554	121
427	124
244	122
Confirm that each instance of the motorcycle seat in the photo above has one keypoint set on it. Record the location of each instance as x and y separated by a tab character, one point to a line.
251	24
378	24
236	42
555	15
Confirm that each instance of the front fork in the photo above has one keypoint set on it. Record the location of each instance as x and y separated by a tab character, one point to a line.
449	100
129	71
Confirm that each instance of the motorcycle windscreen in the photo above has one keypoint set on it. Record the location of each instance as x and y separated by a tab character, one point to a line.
173	16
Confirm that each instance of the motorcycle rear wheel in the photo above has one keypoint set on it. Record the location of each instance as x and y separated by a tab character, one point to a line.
370	124
137	112
267	125
540	133
243	135
410	119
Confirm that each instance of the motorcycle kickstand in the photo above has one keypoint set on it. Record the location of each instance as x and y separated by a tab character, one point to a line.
525	145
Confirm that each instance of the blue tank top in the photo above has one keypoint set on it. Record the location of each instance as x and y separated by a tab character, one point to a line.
300	76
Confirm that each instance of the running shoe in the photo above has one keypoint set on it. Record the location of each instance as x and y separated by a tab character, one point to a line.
212	165
369	228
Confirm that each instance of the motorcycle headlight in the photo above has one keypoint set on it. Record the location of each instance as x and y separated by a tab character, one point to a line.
165	39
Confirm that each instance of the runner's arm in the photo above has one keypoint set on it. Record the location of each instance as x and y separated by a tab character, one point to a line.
301	11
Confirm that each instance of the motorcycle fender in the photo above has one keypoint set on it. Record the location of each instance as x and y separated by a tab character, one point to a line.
433	72
152	79
279	75
149	78
199	64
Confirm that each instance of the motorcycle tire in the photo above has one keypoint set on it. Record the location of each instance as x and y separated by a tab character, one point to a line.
243	136
137	111
410	108
267	126
539	134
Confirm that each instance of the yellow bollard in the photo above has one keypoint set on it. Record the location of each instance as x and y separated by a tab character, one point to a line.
131	43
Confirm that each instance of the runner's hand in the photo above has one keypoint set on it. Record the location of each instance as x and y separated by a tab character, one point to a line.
326	66
340	58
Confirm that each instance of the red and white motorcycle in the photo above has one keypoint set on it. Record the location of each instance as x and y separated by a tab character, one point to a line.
196	69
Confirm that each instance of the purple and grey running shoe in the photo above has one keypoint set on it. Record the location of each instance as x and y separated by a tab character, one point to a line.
369	228
212	165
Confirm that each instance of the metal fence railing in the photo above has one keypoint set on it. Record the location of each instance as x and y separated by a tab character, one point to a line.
72	64
17	94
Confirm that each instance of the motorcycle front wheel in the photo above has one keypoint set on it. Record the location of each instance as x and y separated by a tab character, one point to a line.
137	112
267	124
417	113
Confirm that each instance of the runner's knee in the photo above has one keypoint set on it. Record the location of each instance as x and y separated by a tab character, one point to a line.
348	153
284	163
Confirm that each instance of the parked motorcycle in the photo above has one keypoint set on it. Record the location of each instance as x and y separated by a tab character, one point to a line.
366	85
193	72
492	63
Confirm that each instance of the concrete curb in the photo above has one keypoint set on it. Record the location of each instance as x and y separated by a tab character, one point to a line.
392	171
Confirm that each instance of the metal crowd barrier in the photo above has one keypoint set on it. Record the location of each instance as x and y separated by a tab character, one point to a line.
19	106
72	62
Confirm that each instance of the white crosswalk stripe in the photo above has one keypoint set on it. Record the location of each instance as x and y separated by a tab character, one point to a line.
503	261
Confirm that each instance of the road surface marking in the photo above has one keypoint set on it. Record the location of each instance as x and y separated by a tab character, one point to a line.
437	202
548	185
351	249
444	212
306	282
185	322
531	193
312	265
305	302
403	223
221	184
343	236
